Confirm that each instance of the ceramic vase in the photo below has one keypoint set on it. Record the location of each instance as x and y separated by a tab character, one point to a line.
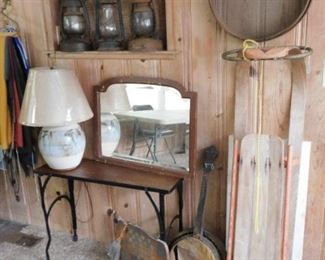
63	147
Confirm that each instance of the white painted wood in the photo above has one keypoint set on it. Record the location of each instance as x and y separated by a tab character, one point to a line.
296	133
300	218
231	142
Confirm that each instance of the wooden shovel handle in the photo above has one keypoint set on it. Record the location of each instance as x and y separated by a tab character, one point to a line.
233	202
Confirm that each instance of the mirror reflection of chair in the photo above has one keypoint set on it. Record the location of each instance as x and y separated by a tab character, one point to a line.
150	133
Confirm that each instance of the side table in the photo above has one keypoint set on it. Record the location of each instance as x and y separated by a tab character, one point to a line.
97	172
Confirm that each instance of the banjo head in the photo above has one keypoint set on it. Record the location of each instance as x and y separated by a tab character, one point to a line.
258	20
192	248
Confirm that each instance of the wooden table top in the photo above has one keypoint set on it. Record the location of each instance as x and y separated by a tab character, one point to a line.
98	172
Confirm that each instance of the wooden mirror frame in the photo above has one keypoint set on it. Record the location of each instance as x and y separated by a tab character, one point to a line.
137	165
224	25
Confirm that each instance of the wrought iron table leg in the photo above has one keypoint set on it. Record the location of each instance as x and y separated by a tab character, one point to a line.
46	216
162	216
73	209
180	204
160	213
47	212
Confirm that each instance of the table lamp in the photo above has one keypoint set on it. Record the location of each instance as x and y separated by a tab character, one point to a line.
54	100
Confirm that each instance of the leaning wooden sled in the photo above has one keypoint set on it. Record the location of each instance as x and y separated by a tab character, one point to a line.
267	176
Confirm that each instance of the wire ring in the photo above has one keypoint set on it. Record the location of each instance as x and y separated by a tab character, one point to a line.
236	54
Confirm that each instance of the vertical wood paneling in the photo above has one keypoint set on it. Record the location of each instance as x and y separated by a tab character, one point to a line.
179	38
126	204
146	68
203	63
175	74
33	29
147	216
101	225
314	131
276	101
192	31
88	72
50	9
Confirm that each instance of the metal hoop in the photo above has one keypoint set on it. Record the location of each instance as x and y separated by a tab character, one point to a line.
236	54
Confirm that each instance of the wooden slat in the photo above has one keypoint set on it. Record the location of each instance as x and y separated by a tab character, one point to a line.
296	132
233	201
231	143
247	80
114	55
302	191
260	196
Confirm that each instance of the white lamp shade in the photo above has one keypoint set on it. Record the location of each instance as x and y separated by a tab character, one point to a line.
53	97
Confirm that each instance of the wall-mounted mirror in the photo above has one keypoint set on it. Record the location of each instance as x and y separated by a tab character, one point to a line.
146	123
258	19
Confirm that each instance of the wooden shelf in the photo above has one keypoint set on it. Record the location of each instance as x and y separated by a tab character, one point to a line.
126	55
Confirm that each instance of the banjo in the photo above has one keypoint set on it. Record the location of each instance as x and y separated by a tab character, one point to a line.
197	243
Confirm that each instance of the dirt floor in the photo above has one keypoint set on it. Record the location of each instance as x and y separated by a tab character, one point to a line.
23	242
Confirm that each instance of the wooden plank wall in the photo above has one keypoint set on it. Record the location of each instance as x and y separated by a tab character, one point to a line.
192	31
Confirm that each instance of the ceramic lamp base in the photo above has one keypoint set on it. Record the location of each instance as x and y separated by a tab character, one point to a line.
63	147
110	133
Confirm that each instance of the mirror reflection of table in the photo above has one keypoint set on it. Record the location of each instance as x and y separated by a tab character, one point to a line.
159	119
